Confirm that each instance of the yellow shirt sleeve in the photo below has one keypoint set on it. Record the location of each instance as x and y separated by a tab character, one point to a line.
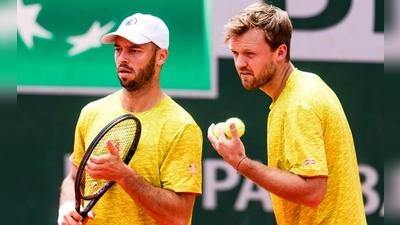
304	142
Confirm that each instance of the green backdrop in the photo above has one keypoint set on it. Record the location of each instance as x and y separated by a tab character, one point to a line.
52	62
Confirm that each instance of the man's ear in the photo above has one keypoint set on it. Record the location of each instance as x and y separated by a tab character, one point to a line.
282	51
162	56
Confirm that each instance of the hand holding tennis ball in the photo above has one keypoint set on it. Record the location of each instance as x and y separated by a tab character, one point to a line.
216	129
239	126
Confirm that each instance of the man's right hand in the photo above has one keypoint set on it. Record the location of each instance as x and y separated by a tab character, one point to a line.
67	215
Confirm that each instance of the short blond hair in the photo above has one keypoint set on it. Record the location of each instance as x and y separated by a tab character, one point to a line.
273	21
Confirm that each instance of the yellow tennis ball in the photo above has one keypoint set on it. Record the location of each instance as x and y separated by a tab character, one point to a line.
216	129
239	126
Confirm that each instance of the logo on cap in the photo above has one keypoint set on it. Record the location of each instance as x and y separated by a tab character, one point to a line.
130	21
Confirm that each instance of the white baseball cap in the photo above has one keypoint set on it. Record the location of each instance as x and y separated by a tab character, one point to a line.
140	29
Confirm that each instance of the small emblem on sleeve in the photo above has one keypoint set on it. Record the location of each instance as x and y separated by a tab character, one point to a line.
192	169
309	161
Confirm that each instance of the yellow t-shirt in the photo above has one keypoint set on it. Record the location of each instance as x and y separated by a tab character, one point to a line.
168	155
308	135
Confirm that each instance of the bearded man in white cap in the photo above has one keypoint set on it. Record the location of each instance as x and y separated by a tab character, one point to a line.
161	182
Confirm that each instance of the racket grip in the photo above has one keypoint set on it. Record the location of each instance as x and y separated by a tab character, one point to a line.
87	209
84	215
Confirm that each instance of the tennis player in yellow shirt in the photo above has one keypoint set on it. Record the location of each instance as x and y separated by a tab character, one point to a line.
312	173
161	182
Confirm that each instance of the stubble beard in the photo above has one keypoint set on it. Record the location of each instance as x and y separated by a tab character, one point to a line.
142	78
266	75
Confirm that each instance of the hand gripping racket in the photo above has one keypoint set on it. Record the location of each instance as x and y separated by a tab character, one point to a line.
124	132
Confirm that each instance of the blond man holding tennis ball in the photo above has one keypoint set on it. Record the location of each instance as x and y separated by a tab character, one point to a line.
312	173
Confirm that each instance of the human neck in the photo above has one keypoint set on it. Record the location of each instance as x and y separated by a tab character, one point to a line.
276	86
141	101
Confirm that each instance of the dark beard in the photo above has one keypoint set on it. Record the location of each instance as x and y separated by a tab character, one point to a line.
143	77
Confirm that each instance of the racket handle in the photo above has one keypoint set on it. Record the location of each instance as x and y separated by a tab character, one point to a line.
94	201
87	209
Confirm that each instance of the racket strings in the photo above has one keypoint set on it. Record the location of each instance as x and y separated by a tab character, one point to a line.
122	136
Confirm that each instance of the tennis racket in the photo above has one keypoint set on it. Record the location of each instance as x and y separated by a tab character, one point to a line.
124	132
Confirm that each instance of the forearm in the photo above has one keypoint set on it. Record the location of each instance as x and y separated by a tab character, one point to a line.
67	191
289	186
164	206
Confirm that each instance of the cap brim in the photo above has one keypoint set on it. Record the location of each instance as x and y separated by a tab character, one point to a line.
131	36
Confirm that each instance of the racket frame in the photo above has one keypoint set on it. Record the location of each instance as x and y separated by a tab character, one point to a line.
81	169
